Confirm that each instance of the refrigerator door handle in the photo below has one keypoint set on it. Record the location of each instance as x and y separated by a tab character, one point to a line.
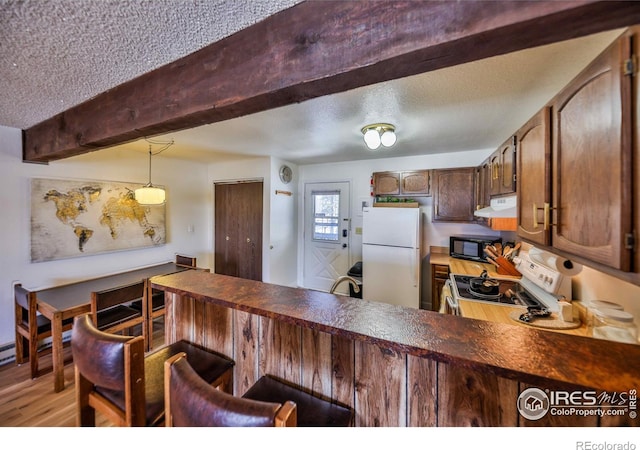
415	269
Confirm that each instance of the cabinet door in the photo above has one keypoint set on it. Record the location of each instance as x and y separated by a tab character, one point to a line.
592	140
534	177
416	182
439	276
494	179
507	167
482	190
386	183
453	195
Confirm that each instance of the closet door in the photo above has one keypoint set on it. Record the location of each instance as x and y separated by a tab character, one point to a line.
238	229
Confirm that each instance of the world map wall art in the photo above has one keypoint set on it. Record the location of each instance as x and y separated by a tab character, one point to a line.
77	218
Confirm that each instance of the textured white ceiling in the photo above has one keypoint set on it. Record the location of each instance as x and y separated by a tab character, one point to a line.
55	54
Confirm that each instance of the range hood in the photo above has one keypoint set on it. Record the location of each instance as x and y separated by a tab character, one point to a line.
501	207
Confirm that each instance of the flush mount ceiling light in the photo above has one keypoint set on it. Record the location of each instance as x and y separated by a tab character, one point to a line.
378	134
150	194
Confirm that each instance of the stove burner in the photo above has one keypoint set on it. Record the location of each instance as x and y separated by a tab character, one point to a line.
509	292
484	286
472	293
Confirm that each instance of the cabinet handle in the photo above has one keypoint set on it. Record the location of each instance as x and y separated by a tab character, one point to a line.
547	213
226	238
546	208
248	240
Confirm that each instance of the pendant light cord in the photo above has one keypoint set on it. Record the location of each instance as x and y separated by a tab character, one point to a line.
165	145
151	142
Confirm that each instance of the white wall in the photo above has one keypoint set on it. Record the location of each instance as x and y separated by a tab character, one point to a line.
593	285
283	243
188	205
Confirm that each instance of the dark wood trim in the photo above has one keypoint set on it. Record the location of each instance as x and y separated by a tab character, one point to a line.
312	49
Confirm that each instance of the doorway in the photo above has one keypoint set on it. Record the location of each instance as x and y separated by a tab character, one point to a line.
327	228
238	229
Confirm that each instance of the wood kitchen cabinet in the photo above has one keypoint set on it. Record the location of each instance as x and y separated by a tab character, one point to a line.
592	121
534	177
454	195
502	164
483	189
439	276
405	183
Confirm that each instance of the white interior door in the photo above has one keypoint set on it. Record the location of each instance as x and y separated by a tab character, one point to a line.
326	235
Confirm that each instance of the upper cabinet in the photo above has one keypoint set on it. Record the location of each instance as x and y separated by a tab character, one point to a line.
386	183
483	189
483	184
534	177
575	172
405	183
592	121
502	164
453	195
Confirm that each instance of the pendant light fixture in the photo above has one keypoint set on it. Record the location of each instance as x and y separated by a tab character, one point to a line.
378	134
150	194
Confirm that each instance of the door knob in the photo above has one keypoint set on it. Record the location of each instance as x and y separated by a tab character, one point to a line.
227	238
344	245
248	240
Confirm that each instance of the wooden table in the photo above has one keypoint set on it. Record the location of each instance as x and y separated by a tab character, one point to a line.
62	302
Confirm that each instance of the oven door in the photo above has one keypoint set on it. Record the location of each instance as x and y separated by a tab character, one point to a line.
448	304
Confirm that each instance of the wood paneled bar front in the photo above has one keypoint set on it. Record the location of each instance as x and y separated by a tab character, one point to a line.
395	366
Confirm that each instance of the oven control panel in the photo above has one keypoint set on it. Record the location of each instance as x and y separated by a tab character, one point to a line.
541	276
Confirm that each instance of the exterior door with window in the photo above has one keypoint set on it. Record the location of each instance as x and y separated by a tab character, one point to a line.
326	234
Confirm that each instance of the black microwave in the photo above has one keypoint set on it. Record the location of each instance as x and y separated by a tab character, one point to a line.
471	247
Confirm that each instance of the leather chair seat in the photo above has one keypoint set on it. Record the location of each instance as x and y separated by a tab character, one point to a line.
311	411
206	364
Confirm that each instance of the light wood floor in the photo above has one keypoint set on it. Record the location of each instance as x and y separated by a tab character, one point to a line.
26	402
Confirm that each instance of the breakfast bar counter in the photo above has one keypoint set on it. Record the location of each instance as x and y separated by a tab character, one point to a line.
395	366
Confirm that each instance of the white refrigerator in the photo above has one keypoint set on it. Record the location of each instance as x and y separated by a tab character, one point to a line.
391	255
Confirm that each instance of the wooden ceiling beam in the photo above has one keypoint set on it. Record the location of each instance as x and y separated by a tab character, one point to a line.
312	49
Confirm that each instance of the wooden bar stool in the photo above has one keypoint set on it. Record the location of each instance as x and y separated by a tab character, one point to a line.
191	402
114	376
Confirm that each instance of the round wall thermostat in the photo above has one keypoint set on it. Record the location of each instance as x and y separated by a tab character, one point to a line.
285	174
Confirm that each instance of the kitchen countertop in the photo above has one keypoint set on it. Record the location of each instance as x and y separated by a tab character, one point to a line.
500	314
462	266
507	350
486	311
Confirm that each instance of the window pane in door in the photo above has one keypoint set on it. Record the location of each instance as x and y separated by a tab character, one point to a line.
326	207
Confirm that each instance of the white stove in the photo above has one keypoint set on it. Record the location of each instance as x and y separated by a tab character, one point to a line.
540	286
